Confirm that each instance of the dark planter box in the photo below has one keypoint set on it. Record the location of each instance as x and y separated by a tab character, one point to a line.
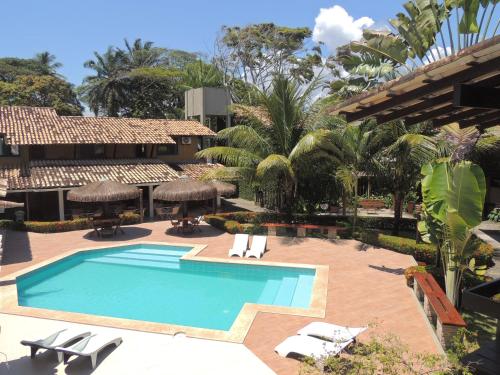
479	299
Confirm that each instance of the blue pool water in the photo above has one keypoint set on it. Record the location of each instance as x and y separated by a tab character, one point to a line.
151	283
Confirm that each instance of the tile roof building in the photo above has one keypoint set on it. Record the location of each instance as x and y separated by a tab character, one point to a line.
41	152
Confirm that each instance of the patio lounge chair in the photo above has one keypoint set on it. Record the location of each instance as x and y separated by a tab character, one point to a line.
58	339
307	346
196	222
331	332
240	245
258	247
89	347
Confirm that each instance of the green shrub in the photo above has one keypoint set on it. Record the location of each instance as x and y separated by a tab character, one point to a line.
60	226
494	215
217	221
233	227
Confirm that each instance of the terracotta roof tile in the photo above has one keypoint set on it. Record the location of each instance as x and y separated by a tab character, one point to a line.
70	173
36	125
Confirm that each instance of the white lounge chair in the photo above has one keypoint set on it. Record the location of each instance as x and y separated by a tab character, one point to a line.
58	339
258	247
331	332
240	245
89	347
308	346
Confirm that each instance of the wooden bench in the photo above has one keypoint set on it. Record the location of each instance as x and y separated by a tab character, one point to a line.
438	308
302	229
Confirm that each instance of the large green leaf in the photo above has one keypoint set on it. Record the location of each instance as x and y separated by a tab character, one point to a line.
467	192
435	185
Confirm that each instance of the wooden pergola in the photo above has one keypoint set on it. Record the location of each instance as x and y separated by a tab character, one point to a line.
463	88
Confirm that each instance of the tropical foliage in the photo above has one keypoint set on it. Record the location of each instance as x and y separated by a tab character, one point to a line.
35	82
258	150
144	81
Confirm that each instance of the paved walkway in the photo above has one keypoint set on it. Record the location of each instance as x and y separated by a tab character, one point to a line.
365	285
240	204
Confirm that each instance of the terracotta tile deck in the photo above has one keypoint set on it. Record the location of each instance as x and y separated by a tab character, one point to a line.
365	285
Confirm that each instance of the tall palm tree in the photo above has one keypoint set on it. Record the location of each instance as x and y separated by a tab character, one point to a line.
105	91
259	150
47	62
141	54
201	74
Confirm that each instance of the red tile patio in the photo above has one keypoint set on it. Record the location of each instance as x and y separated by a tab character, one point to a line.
365	285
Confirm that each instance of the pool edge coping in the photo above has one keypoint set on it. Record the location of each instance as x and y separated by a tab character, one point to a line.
238	331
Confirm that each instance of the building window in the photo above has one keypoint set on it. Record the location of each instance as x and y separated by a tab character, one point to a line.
168	149
7	150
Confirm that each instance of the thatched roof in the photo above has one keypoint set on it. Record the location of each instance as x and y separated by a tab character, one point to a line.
185	189
9	204
103	191
223	188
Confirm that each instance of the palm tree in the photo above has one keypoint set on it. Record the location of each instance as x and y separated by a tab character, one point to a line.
104	92
201	74
259	150
351	151
143	54
47	62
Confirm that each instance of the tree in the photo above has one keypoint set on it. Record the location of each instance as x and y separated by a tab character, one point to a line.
41	91
259	149
47	62
256	53
35	82
351	153
201	74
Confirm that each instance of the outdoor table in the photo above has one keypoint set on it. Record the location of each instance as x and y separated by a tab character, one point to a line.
114	224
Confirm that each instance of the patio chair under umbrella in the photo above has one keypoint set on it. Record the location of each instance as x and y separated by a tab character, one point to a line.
183	190
104	192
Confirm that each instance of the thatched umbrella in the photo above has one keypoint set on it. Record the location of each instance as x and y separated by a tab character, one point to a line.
9	204
104	192
223	188
185	189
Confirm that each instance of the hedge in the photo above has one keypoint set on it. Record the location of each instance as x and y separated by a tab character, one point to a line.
60	226
422	252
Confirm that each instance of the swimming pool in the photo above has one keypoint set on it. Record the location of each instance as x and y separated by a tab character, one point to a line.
151	283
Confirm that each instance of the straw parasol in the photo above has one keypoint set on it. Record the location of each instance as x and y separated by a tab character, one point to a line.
103	191
185	189
9	204
223	188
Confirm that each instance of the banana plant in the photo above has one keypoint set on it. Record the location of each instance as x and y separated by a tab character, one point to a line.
453	196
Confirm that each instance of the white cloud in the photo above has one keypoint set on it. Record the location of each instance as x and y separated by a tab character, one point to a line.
335	27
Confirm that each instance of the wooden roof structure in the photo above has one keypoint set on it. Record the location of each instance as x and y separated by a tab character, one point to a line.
103	191
463	88
185	189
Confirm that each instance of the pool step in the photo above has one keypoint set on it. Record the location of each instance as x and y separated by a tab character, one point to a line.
285	292
269	292
135	262
177	253
302	294
154	257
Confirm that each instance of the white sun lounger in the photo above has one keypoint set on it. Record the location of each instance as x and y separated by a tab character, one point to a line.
309	347
240	245
331	332
89	347
258	247
58	339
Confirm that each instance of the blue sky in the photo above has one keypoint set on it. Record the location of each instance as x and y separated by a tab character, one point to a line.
72	30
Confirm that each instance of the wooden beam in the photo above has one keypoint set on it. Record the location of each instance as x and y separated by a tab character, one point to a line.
457	116
479	119
476	96
430	115
462	76
489	124
426	104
